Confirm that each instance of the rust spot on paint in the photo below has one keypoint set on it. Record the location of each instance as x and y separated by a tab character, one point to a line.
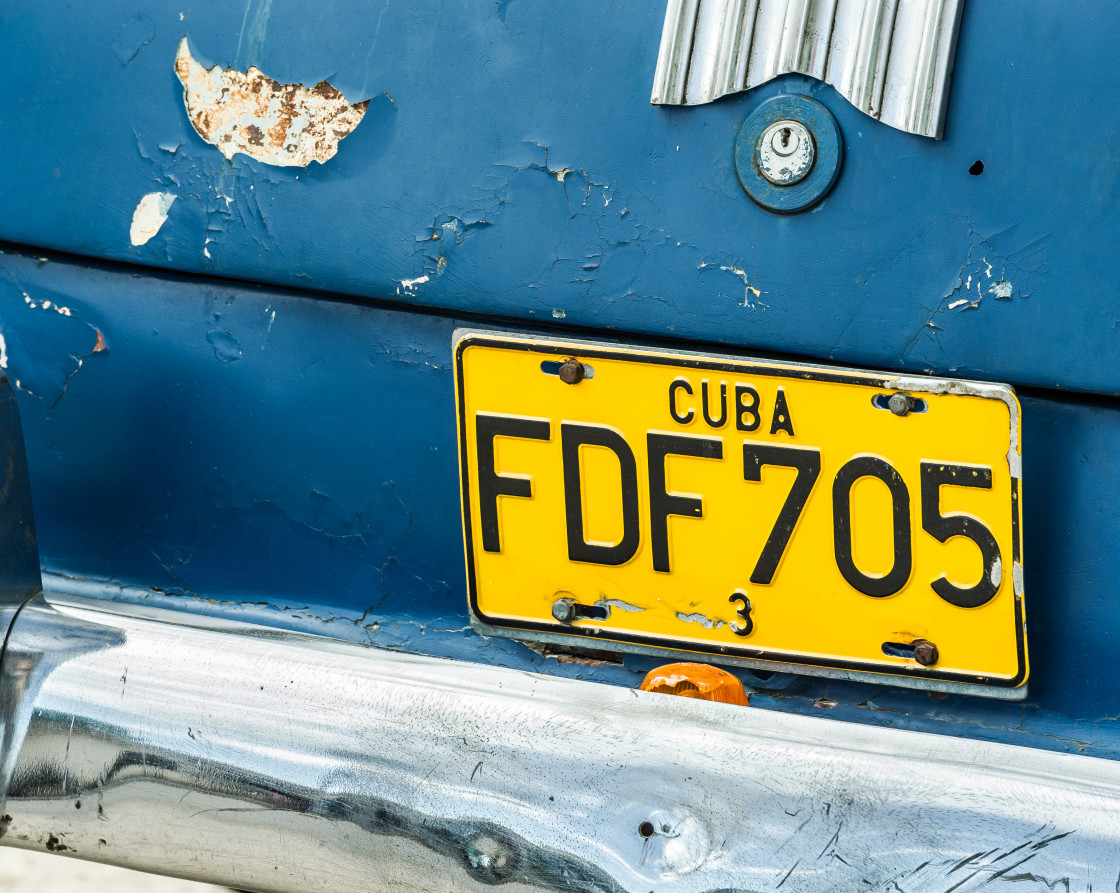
564	654
288	125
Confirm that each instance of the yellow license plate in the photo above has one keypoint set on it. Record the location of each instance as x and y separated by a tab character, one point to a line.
786	516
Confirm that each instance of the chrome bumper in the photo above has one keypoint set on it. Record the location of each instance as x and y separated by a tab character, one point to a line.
275	761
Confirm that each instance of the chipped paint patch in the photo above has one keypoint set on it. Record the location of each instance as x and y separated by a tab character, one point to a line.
1001	288
618	603
4	353
703	620
408	286
995	572
999	265
748	289
46	305
287	125
150	214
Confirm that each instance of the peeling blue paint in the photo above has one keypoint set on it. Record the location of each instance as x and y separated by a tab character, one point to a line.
579	195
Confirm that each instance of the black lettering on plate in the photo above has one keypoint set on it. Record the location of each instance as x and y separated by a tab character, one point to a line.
663	504
491	485
679	384
808	465
745	626
782	420
705	388
936	475
743	409
852	471
572	437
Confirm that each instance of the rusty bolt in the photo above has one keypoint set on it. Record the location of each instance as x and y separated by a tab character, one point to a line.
571	371
564	610
925	652
900	404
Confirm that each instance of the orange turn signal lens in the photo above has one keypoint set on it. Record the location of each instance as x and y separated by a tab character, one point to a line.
696	681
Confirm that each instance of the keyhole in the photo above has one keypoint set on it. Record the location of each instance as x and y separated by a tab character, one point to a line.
785	137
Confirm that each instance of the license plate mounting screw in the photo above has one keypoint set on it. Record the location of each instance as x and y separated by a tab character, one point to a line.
900	404
564	610
925	652
571	371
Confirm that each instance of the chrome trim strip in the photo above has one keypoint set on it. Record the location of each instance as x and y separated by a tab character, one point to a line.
275	761
892	59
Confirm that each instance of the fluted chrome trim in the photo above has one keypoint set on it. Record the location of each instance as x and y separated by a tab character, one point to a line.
890	58
676	50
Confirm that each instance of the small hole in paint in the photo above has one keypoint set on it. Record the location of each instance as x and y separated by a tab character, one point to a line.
977	168
646	829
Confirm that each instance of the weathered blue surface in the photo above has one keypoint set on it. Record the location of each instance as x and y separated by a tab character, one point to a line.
520	132
292	460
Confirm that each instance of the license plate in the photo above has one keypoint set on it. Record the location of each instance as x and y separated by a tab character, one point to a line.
785	516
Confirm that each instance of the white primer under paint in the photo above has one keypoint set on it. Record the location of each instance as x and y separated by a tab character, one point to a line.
150	214
409	285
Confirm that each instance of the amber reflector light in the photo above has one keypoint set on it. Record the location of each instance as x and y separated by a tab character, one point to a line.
696	681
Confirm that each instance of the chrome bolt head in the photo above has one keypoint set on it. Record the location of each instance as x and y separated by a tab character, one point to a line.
564	610
900	404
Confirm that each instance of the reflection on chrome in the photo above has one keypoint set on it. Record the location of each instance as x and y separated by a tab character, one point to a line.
890	59
275	761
